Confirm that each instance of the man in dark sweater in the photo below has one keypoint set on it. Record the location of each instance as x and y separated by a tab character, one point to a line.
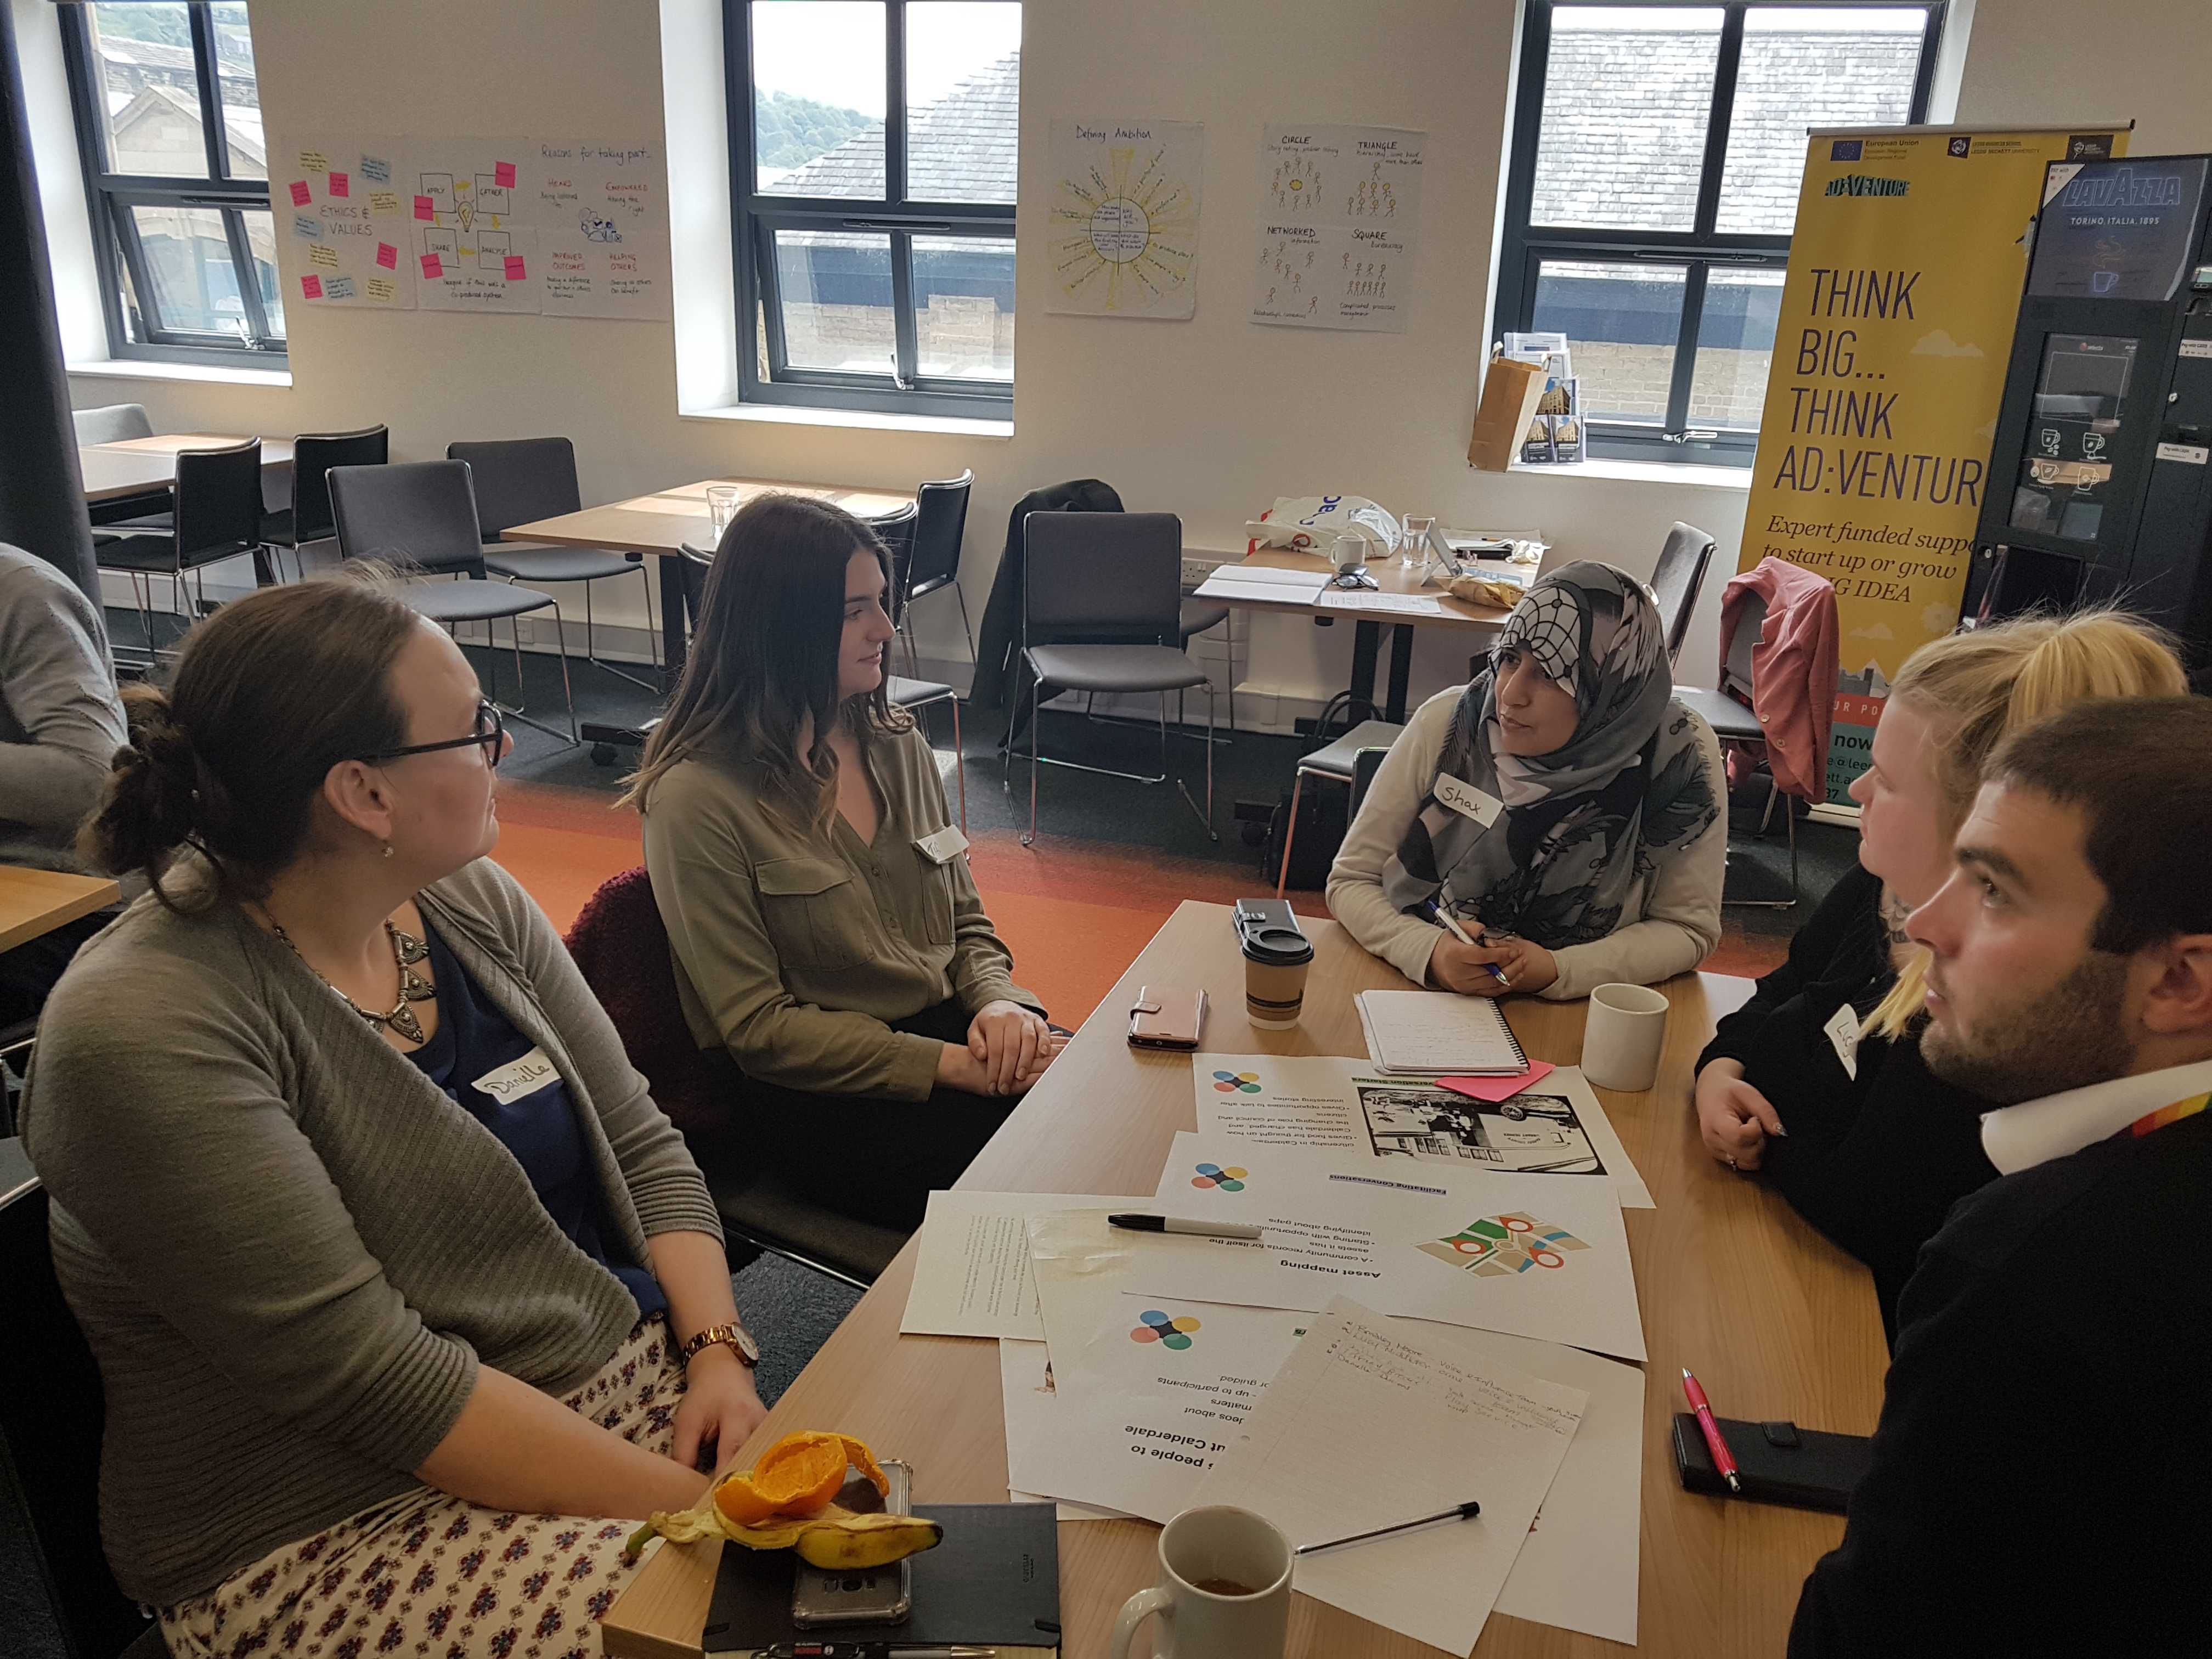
2042	1475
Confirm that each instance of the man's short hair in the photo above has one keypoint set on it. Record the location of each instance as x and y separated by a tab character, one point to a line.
2139	771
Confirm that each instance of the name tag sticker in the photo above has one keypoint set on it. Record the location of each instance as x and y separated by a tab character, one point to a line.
946	845
526	1076
1466	801
1842	1030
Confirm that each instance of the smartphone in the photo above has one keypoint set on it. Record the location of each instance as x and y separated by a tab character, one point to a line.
868	1595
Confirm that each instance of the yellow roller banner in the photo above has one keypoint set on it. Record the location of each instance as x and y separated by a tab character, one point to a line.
1905	271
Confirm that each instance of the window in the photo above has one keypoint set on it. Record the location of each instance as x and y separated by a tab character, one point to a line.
168	121
872	149
1657	151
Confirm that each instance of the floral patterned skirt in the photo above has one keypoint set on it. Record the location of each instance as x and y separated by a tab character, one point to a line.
429	1576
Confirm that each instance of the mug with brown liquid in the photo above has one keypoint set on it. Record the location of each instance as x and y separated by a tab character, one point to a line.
1224	1589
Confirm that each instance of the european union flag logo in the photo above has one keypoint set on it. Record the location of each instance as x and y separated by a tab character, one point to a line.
1847	150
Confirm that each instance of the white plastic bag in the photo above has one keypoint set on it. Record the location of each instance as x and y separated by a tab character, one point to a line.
1343	528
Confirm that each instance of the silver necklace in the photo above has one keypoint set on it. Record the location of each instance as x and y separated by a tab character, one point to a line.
406	952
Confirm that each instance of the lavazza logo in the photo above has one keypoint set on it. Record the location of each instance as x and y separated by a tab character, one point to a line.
1861	183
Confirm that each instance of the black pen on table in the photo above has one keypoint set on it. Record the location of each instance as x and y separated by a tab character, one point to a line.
875	1651
1130	1221
1466	1512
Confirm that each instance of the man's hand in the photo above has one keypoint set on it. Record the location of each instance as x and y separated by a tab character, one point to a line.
720	1406
1734	1119
1012	1042
1464	968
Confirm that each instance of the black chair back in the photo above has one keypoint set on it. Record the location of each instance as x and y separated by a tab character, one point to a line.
114	423
218	502
943	521
517	480
896	532
313	455
1364	765
1677	579
1098	573
51	1416
413	515
697	561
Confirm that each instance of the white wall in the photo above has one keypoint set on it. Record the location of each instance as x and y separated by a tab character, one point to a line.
1210	418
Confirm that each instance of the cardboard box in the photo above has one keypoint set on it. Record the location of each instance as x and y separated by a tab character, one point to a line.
1511	392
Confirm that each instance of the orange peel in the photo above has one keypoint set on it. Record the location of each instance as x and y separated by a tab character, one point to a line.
797	1476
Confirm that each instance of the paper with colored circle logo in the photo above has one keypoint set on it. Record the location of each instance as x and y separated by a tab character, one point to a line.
1529	1255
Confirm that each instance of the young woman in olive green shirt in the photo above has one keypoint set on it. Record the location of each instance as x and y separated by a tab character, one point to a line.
831	950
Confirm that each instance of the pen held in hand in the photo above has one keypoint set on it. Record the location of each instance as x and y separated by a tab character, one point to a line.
1458	1512
1443	919
1130	1222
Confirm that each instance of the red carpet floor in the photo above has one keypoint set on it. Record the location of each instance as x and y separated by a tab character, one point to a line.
1074	913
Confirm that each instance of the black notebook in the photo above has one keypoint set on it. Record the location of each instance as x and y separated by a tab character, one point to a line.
1777	1462
994	1582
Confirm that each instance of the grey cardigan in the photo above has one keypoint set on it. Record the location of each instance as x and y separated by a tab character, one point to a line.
288	1249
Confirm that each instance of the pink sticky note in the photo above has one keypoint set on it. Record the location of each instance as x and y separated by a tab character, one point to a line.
311	287
1498	1088
425	207
387	256
502	174
340	184
432	267
301	196
515	273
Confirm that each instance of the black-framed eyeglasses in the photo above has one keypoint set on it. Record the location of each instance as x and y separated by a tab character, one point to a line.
490	735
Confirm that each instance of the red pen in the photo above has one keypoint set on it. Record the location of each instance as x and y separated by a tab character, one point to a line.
1714	1443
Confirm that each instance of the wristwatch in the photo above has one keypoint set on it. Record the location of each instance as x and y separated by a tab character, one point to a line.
734	1337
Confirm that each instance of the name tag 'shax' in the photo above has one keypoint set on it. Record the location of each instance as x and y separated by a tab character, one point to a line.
1466	801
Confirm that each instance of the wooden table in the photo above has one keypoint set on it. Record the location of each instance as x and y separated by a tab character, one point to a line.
1457	616
143	466
659	525
36	902
1776	1321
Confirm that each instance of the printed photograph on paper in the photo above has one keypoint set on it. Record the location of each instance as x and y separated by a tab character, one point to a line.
1531	1134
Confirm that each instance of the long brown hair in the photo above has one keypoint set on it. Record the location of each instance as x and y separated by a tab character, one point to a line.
763	662
271	692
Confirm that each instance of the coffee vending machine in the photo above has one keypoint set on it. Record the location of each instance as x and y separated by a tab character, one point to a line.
2100	477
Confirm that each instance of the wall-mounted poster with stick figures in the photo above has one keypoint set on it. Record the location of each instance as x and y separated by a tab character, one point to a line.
1125	206
1351	198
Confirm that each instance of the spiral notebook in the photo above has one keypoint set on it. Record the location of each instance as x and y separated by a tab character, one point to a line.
1424	1032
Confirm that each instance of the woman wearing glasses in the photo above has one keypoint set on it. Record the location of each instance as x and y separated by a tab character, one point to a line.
405	1295
833	957
1563	811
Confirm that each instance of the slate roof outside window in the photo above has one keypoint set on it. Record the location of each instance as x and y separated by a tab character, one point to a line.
961	149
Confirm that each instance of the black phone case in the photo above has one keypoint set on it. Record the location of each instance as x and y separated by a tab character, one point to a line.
1777	1462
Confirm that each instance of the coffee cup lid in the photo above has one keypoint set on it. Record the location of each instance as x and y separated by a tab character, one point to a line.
1278	947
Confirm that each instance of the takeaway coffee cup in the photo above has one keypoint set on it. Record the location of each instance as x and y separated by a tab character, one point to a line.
1622	1035
1275	963
1223	1592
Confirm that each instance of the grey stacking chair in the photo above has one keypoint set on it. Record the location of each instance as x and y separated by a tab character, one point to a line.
115	423
218	516
309	518
932	561
1677	579
420	518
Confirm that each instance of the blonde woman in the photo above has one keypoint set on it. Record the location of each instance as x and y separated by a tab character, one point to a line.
1817	1082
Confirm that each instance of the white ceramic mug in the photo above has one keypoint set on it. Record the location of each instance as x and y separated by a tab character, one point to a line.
1219	1546
1622	1036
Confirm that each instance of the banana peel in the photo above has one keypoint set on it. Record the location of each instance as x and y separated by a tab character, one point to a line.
823	1534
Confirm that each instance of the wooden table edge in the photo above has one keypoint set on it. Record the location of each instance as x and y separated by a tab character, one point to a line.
97	894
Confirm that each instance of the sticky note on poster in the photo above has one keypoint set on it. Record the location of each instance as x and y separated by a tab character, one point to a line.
311	287
321	253
306	225
341	184
376	169
434	268
384	201
515	270
387	256
340	287
301	196
425	207
314	160
502	174
382	288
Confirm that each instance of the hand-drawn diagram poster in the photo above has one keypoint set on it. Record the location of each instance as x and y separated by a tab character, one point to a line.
339	225
602	218
1125	217
472	238
1339	222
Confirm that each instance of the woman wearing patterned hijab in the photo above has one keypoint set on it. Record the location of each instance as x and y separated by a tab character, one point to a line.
1562	808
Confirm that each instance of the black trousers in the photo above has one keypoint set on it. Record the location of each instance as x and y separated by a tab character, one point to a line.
866	1156
28	973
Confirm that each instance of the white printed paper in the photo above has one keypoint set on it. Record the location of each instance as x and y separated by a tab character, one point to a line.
1556	1126
1529	1255
1125	217
602	218
1339	223
1435	1426
345	239
971	1275
1033	1420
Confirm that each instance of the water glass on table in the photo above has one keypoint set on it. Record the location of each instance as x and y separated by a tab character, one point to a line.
722	503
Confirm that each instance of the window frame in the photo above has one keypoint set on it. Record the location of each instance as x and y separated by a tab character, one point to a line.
756	217
110	196
1523	247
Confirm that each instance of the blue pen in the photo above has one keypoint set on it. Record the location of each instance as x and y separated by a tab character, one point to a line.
1442	918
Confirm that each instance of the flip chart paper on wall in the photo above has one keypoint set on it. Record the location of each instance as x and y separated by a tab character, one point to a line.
1339	225
477	224
337	231
1124	218
602	215
1530	1255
